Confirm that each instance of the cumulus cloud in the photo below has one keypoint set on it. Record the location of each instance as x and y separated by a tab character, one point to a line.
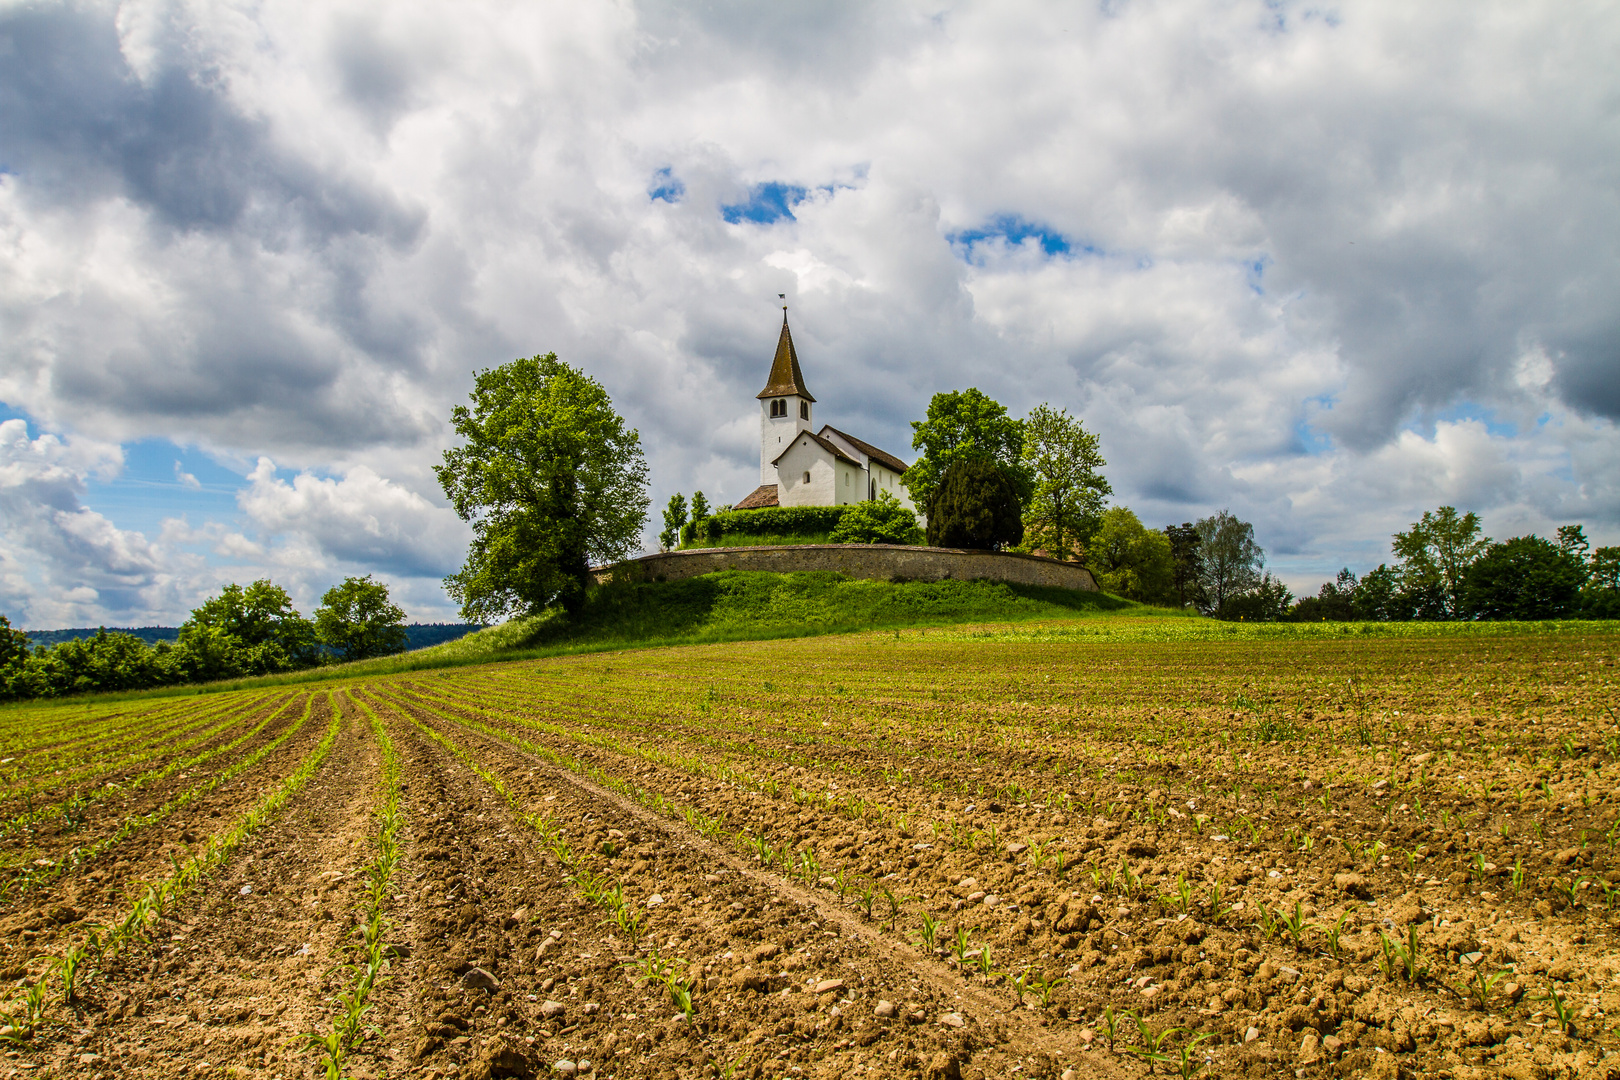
62	563
1328	266
362	518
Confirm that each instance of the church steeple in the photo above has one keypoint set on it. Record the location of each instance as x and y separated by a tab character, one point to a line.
786	379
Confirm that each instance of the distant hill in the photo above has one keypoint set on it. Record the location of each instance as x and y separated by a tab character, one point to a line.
421	635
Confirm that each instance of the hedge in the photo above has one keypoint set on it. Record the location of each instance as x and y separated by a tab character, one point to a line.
770	521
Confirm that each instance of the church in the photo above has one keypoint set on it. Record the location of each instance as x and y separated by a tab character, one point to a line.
800	466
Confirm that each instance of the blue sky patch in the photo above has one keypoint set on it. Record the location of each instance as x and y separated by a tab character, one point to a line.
1014	230
766	204
666	187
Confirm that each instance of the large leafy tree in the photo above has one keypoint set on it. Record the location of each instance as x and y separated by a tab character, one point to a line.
1524	578
1131	560
1435	555
13	654
549	478
1601	597
1230	559
963	424
357	621
1066	503
975	507
244	631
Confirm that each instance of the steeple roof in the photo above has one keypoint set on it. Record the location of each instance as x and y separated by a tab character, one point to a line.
786	378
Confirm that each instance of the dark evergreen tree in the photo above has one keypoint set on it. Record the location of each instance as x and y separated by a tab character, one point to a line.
1188	561
976	506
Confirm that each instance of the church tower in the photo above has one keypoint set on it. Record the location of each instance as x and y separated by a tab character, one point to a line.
784	406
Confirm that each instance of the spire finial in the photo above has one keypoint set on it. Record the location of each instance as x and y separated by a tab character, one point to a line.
783	297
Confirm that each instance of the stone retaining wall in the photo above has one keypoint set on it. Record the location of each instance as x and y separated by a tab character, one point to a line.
883	562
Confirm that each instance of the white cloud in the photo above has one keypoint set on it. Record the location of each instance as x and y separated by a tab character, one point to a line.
362	519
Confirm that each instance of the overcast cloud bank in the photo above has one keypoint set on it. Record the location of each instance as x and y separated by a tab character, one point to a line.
1326	265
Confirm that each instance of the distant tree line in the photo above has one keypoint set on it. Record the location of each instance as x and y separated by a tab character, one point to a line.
1444	569
252	630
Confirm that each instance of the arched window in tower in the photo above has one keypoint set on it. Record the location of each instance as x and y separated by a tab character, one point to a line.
778	407
804	410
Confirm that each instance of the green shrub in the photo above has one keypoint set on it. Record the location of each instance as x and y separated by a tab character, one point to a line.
769	521
878	521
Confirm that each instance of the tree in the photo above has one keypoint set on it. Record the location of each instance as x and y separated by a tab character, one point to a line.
1067	498
93	664
549	479
1524	578
357	621
877	521
13	654
700	513
976	506
965	424
1436	553
1335	601
1131	560
1230	559
1187	561
1378	596
244	631
674	519
1600	599
1268	601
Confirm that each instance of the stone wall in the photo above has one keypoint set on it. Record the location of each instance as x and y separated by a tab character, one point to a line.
883	562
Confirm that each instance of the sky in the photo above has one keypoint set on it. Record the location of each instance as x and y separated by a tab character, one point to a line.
1326	265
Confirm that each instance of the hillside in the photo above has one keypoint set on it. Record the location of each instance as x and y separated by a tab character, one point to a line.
418	635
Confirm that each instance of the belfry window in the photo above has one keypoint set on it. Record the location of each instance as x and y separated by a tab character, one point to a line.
804	410
778	407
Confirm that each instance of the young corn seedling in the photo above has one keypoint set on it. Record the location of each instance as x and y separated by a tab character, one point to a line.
928	937
1113	1023
867	898
1569	890
961	943
1185	1061
1152	1048
1566	1019
1330	934
1266	920
330	1047
1479	988
1517	877
985	967
1294	923
1046	986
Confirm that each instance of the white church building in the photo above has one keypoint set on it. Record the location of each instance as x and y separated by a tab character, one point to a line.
800	466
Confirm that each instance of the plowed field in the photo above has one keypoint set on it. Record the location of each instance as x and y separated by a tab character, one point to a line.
1028	852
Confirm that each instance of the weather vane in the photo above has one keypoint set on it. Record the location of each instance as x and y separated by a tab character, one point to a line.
782	297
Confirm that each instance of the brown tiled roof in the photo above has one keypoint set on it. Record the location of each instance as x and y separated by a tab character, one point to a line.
883	457
761	497
785	375
826	444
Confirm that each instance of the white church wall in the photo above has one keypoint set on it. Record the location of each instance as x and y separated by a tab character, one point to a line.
806	456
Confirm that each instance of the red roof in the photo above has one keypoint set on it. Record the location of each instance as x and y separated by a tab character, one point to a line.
761	497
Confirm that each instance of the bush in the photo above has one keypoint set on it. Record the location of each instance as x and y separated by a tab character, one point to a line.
768	521
976	507
878	521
